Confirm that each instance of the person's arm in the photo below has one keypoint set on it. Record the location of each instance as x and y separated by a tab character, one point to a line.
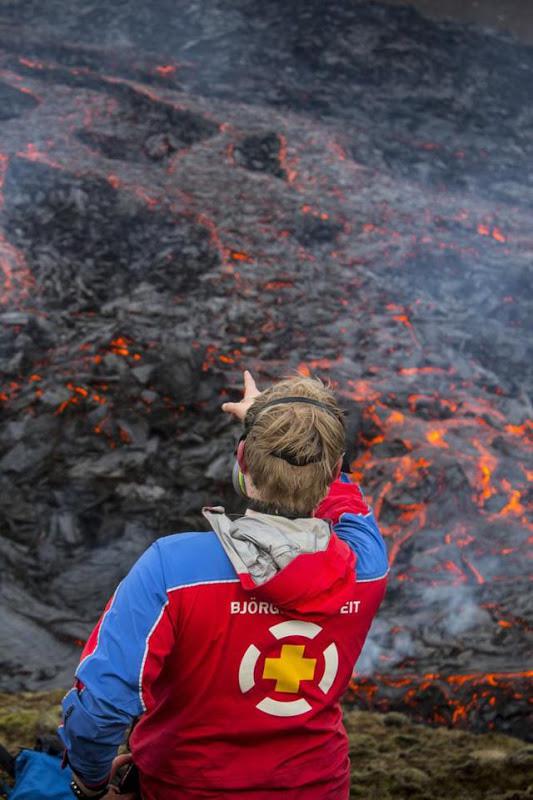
354	523
122	657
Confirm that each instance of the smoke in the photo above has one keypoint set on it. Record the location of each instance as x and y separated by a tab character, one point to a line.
454	610
406	199
383	649
445	614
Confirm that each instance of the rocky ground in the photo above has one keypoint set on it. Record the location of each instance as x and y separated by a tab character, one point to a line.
339	189
391	756
508	15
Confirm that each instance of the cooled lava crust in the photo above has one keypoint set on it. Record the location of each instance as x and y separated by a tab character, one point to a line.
339	189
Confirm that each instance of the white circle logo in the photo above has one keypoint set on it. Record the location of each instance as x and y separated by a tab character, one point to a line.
289	669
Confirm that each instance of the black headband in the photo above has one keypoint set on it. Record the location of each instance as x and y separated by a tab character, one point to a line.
290	459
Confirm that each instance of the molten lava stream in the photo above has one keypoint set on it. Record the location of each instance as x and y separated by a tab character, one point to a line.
288	164
460	700
32	153
16	281
4	161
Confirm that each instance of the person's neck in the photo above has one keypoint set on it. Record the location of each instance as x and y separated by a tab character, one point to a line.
256	504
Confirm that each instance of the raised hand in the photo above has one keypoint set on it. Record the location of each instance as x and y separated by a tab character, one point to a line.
250	393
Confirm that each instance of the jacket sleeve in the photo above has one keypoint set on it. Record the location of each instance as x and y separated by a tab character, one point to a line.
120	660
354	523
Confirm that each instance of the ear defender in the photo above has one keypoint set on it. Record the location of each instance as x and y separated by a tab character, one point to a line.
238	480
237	474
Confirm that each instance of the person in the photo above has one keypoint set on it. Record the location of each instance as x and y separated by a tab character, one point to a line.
229	650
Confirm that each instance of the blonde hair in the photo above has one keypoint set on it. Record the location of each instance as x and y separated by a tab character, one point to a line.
306	434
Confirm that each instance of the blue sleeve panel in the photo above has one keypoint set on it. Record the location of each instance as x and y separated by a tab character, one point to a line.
361	532
96	716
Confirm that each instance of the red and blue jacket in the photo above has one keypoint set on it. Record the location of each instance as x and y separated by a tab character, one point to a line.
233	680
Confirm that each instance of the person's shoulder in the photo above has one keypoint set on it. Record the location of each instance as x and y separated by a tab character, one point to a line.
180	544
192	558
186	538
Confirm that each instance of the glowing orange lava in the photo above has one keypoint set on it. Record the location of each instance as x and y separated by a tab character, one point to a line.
16	279
3	169
436	436
286	163
166	70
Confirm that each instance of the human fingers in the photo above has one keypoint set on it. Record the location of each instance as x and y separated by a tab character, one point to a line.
234	408
112	792
120	761
251	391
250	388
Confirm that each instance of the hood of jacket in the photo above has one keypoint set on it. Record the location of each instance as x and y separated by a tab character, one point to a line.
297	564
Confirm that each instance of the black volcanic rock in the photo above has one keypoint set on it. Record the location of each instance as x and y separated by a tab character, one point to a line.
311	230
13	102
145	127
260	153
340	189
110	146
86	241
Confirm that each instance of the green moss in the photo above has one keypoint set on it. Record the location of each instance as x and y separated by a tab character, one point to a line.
25	716
420	763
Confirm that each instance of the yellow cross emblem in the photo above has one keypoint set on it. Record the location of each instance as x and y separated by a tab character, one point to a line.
290	668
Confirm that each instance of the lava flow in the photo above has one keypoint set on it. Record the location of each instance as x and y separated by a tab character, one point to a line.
280	197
